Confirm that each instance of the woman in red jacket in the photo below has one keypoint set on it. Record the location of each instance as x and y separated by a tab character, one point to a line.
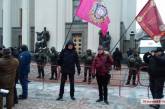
101	67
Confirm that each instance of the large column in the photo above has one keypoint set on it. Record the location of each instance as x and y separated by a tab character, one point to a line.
115	13
93	37
128	15
1	4
46	16
69	10
25	23
7	40
61	24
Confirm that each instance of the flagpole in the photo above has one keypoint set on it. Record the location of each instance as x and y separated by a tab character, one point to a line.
123	35
67	36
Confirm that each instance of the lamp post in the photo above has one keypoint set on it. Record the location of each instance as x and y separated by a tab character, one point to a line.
132	39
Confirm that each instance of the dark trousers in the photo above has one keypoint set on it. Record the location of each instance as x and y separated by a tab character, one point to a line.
15	95
41	71
63	80
132	73
102	82
156	87
15	89
87	70
9	100
117	64
53	71
24	84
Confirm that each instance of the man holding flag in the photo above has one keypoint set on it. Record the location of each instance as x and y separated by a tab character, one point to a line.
150	21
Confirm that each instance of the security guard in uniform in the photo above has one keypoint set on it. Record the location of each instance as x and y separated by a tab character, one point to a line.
53	61
88	59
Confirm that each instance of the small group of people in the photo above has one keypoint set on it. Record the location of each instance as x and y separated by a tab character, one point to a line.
134	62
42	57
14	66
101	66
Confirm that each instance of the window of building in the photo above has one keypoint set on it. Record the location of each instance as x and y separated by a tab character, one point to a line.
75	6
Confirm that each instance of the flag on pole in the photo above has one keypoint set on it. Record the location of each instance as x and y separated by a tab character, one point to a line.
150	21
95	12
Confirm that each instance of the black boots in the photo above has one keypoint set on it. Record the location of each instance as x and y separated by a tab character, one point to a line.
59	98
99	100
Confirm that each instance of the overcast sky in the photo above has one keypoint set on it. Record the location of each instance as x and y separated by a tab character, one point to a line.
160	4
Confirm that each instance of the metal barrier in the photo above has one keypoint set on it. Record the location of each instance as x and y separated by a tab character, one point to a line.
118	77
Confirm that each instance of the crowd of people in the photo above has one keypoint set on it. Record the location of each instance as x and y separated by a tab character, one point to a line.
15	65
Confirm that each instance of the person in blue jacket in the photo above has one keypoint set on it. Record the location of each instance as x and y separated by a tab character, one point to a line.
25	59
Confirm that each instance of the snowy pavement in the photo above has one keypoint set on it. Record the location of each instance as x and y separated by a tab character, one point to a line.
44	97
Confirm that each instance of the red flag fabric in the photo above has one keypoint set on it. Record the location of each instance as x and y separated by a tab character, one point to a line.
150	21
95	12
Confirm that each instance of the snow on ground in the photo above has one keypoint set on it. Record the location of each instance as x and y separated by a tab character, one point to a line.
44	97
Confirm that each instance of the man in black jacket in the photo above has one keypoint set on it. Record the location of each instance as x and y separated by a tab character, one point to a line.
68	58
156	73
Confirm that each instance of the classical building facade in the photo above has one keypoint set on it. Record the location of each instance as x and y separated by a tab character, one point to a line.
21	19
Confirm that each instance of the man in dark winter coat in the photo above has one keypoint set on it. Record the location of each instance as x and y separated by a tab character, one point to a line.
8	67
68	58
101	66
157	74
117	57
25	59
88	59
15	54
53	61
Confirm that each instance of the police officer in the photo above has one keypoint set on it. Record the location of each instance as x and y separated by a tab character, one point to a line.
41	62
88	59
134	63
68	59
53	60
25	60
8	66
